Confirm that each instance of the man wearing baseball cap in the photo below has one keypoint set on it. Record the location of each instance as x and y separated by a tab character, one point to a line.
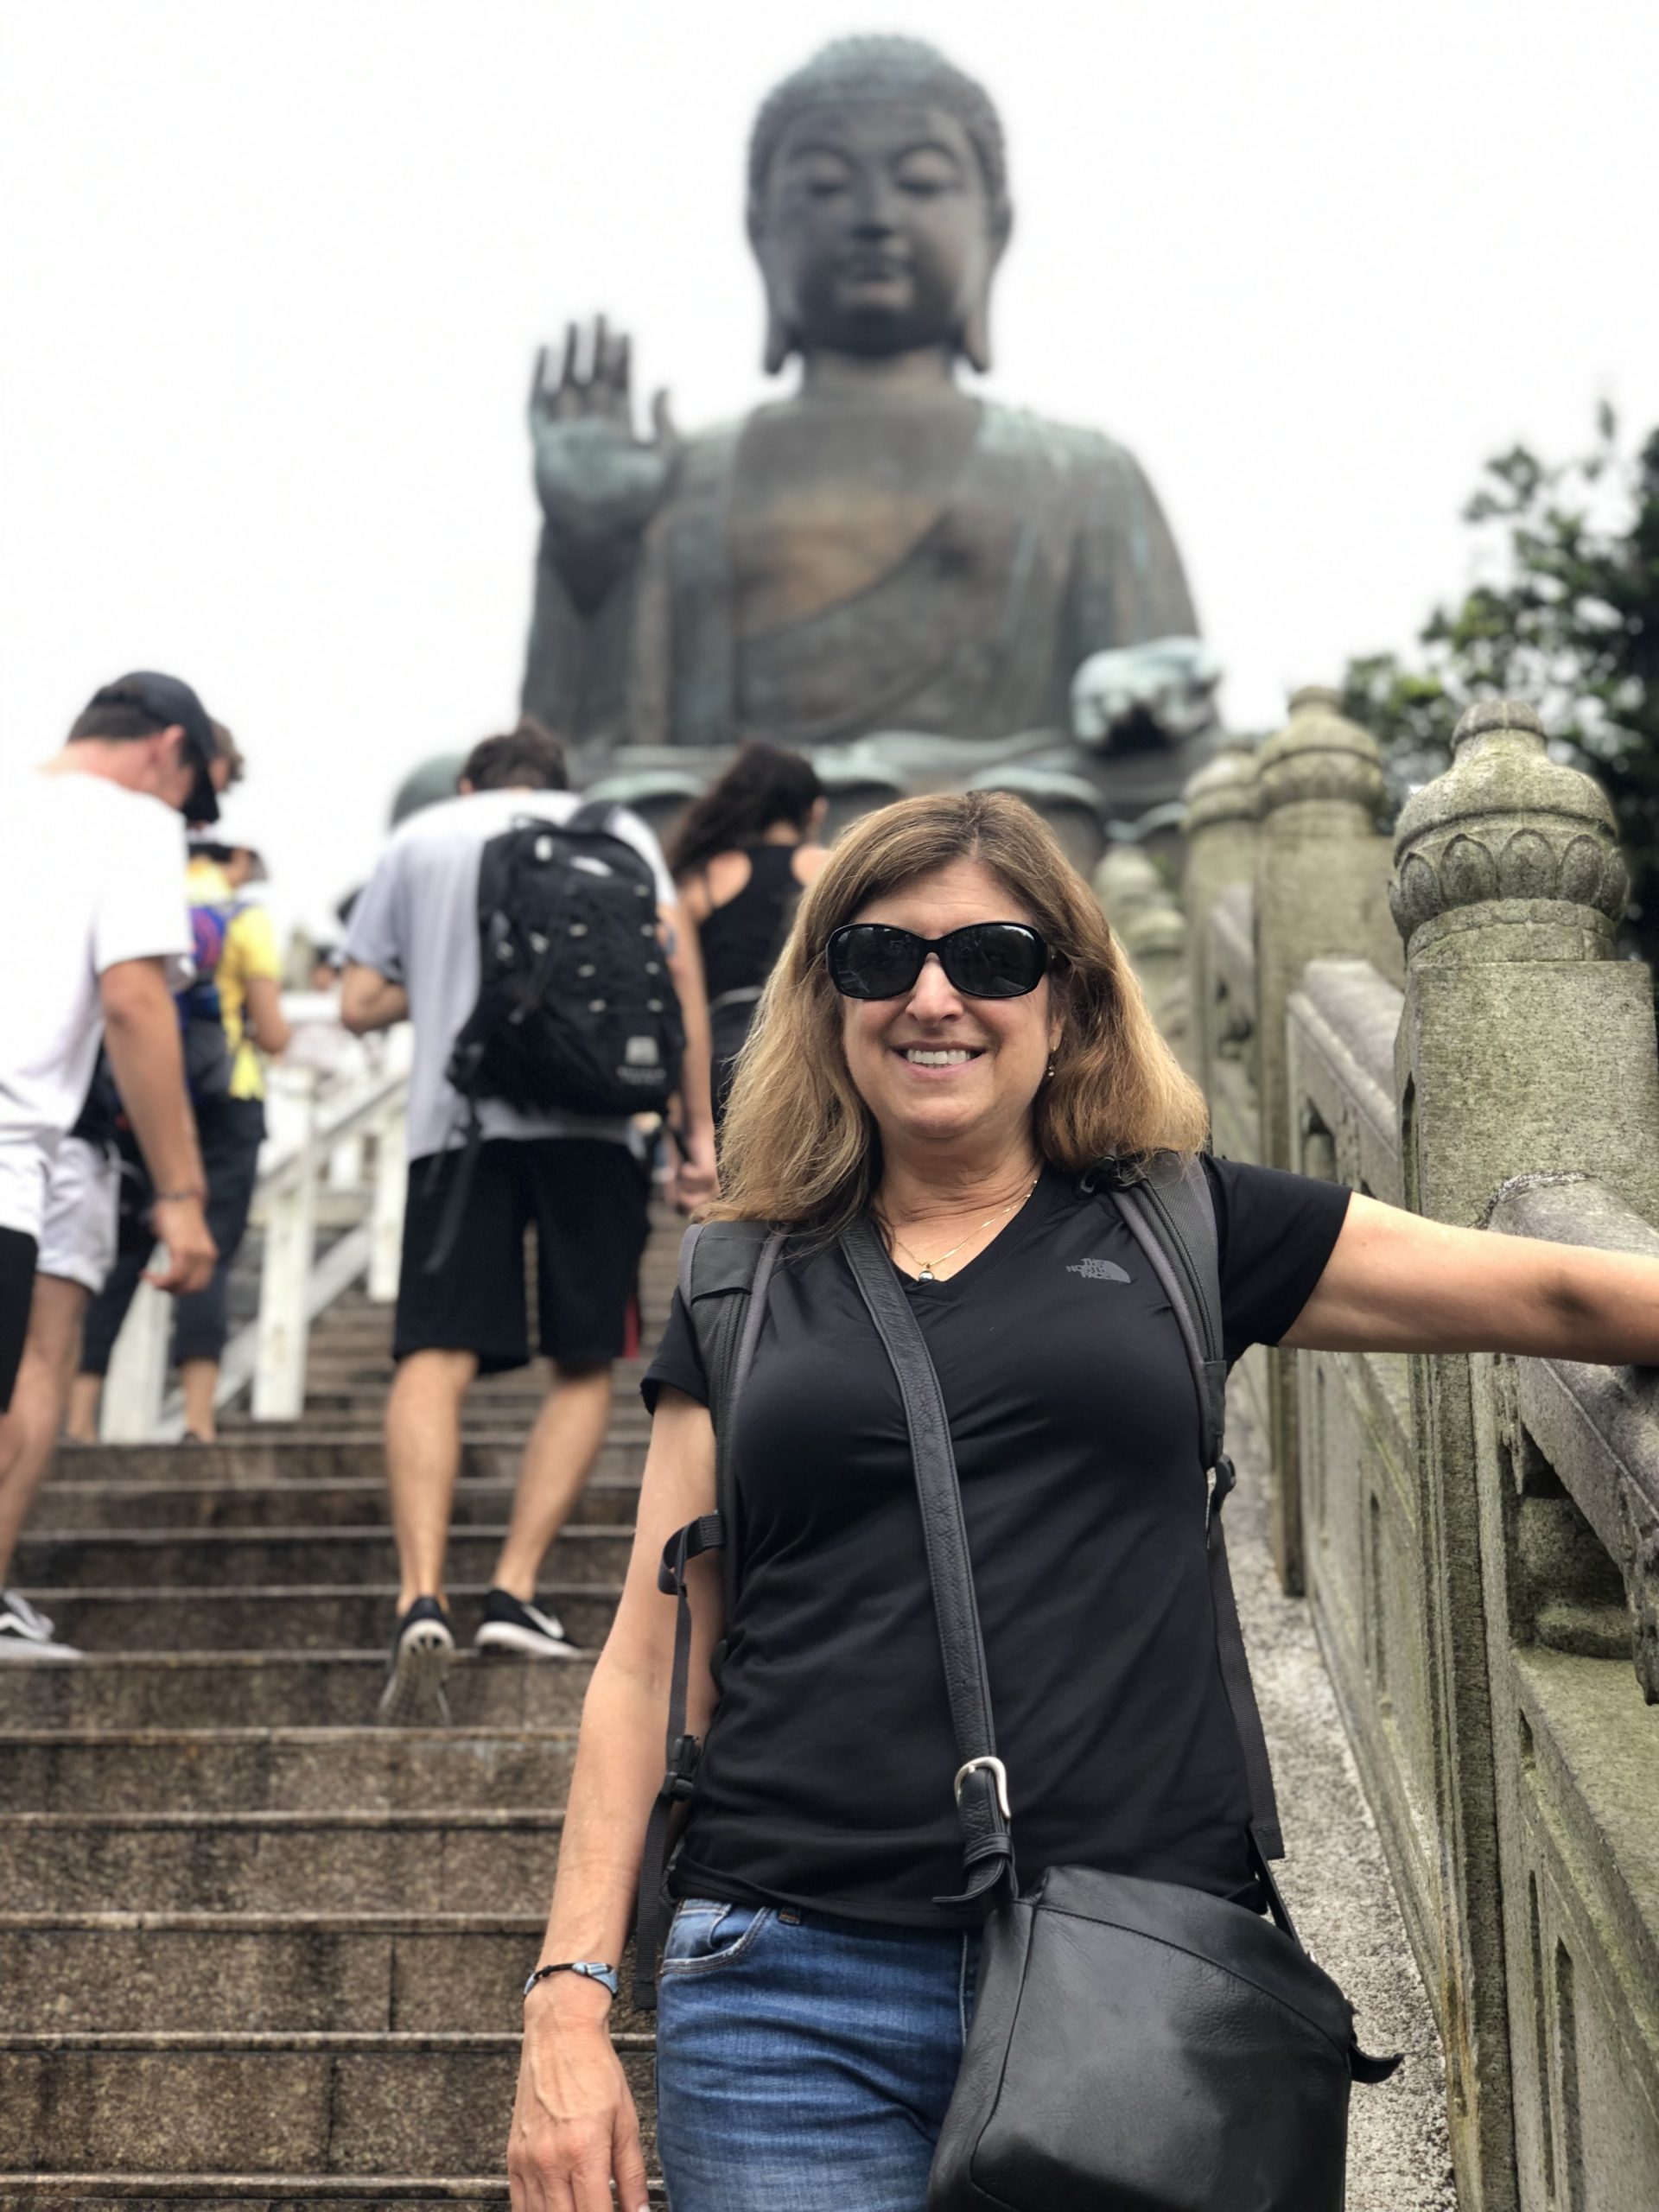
92	915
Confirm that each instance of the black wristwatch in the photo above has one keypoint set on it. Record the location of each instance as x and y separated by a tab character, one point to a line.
590	1969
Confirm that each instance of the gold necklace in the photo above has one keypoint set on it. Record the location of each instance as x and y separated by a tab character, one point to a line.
927	1267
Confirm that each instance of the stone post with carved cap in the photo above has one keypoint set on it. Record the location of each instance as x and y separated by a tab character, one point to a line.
1526	1048
1321	893
1219	848
1148	921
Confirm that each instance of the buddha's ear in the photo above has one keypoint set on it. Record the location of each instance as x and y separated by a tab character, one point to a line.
975	338
780	339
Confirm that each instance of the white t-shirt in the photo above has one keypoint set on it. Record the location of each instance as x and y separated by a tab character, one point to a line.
90	875
416	923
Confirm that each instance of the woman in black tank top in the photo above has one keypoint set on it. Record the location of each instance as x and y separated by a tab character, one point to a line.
740	855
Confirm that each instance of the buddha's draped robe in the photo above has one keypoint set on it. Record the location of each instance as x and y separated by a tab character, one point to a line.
1047	546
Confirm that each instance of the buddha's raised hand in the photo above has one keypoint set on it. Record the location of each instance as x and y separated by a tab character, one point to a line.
598	484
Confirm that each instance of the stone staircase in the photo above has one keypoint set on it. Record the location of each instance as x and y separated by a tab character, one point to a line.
255	1949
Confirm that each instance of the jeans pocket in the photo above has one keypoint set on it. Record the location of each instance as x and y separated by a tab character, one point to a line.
708	1934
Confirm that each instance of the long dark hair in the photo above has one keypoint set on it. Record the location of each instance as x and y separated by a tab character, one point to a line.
765	785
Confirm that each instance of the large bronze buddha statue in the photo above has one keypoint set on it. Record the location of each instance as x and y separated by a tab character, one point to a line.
881	567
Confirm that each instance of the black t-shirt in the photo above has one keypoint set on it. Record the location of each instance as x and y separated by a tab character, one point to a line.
826	1779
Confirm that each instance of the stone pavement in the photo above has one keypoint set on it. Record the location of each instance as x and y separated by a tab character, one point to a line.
257	1953
1335	1878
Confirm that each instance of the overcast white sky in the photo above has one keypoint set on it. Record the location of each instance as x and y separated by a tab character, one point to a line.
274	272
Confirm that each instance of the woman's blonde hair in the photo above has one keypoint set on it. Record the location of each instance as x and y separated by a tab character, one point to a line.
801	1149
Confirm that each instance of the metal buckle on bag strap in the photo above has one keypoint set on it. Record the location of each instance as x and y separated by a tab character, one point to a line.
1220	1488
988	1765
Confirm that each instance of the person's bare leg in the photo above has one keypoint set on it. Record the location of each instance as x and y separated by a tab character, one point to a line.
28	1432
423	1460
85	1396
199	1381
559	1457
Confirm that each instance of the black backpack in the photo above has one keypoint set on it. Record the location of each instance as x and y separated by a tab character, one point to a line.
576	1012
726	1269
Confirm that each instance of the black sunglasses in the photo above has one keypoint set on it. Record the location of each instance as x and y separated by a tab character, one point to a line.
987	960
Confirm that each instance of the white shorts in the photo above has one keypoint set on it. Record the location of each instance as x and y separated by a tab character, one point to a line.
78	1214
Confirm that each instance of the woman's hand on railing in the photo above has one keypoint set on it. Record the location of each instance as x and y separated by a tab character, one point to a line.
575	2128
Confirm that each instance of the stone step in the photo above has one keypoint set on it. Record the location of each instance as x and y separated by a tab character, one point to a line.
364	1420
275	1689
359	1502
323	1618
268	1974
198	2105
293	1454
337	1361
204	1770
449	1859
219	1559
106	2192
513	1409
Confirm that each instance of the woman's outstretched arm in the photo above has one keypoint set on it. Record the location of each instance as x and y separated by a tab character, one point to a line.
1397	1282
574	2125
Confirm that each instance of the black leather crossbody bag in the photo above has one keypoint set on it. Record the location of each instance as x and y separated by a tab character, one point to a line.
1137	2046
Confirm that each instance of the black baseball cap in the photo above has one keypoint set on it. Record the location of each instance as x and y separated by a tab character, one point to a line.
173	702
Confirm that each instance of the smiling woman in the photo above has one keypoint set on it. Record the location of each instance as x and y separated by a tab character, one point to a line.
1071	1069
953	1062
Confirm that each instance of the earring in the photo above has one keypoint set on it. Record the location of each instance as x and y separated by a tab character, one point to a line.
1048	1073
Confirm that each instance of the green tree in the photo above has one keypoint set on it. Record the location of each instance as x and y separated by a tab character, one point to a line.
1568	619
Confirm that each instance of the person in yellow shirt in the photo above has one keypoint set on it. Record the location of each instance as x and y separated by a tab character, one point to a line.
233	1020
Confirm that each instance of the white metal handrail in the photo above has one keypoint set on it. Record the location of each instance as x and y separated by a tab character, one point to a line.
310	1176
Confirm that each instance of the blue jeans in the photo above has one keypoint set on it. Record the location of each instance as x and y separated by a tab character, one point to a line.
803	2064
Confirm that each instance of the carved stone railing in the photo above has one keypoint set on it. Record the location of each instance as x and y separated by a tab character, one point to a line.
1149	922
1478	1538
1233	1040
1568	1480
1360	1512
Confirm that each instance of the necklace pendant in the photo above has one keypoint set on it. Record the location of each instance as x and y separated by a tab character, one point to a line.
927	1274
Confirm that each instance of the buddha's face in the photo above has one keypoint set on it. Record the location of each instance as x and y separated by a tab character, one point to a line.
874	229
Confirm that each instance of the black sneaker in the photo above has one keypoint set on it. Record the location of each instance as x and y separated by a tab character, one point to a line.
510	1624
26	1634
422	1645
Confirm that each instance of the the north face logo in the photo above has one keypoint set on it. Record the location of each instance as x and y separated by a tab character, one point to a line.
1098	1271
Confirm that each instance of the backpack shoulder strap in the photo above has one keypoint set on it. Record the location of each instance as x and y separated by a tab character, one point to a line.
724	1273
593	815
725	1270
1170	1213
1175	1201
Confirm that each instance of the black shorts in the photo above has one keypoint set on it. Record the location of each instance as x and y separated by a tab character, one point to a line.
17	1253
586	1197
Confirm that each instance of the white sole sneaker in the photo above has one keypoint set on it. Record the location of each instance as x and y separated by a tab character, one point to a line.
26	1648
414	1694
504	1636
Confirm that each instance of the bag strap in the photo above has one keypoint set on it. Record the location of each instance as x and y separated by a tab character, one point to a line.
593	817
1172	1218
982	1783
725	1271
